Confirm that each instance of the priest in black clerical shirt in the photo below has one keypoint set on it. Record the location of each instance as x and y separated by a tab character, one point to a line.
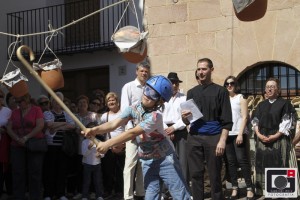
207	137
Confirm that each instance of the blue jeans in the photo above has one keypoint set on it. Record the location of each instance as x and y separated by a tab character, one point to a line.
168	170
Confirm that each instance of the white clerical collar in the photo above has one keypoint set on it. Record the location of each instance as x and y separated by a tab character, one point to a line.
272	100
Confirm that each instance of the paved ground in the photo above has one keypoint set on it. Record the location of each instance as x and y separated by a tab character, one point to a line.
242	187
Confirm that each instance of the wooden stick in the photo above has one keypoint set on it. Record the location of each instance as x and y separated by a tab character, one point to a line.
46	87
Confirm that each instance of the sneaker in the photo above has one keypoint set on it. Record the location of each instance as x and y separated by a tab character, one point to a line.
63	198
77	196
100	198
47	198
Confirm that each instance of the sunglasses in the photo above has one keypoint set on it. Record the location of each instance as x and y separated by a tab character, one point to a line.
95	103
151	93
230	83
45	103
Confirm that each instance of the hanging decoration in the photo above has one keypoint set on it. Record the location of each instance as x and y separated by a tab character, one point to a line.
131	43
14	81
240	5
50	72
130	40
250	10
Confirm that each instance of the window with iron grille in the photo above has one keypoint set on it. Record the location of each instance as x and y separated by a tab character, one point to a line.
253	80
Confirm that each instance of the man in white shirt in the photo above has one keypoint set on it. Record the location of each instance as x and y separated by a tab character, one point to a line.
173	123
131	94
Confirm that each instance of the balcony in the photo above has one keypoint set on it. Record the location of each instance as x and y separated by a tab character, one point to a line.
91	34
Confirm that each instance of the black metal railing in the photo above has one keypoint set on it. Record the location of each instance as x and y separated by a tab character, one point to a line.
253	80
91	34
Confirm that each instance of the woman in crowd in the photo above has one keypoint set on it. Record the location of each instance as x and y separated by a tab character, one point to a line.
272	142
101	96
5	114
114	160
95	104
10	101
58	123
26	122
237	144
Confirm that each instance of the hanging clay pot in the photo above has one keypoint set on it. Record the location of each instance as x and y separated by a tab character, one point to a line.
254	11
19	89
15	82
135	57
51	73
131	43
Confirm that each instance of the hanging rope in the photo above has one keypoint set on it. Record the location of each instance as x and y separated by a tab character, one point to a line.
136	16
121	19
47	41
10	53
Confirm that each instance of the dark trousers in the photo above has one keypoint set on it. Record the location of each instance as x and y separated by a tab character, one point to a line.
55	172
5	178
92	172
201	148
238	155
179	142
26	165
72	176
74	183
112	167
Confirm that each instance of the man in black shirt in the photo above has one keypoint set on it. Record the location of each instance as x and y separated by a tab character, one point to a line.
207	138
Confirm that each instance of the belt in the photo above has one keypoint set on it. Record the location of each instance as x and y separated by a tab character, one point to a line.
170	124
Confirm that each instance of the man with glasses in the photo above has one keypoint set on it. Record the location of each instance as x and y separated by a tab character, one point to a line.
132	93
43	102
207	137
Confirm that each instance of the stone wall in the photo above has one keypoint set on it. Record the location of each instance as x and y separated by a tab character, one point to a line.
182	31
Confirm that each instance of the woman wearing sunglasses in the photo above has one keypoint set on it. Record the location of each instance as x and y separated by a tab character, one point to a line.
159	161
238	142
